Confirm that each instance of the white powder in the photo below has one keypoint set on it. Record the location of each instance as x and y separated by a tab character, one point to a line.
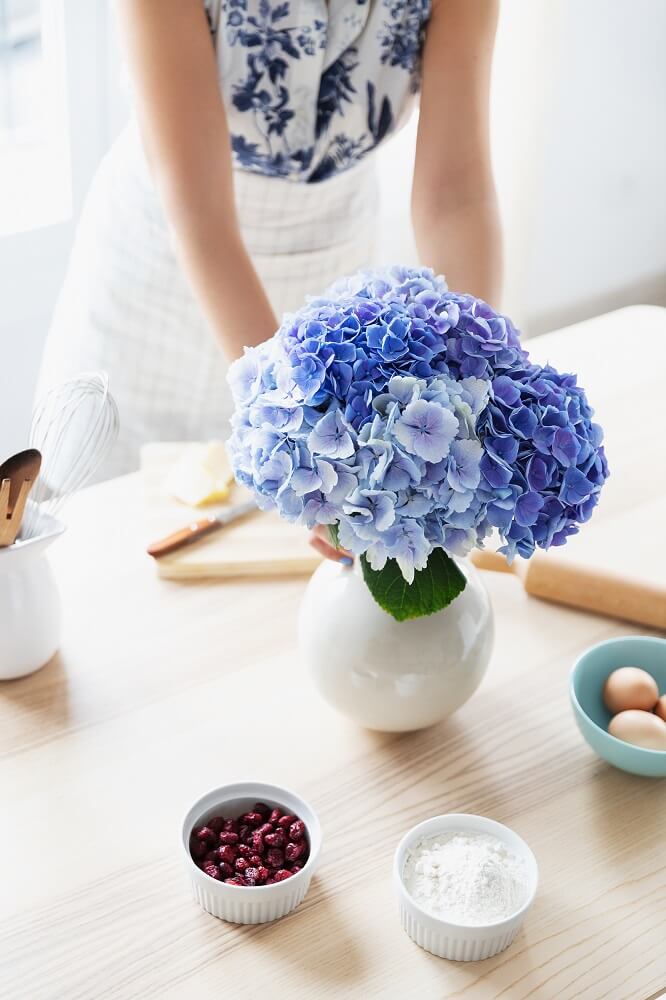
467	878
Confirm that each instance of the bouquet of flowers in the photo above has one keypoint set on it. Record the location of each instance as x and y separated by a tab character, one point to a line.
410	420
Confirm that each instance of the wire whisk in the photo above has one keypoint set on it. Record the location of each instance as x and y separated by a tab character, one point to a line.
74	426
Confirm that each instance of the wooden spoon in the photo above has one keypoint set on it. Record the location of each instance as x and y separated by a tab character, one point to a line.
17	476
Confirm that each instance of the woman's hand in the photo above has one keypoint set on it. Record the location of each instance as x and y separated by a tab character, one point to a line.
321	541
454	206
185	134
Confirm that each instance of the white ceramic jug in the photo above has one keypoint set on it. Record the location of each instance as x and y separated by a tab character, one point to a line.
29	603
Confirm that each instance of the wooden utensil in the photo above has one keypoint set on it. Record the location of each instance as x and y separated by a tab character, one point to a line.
17	476
579	586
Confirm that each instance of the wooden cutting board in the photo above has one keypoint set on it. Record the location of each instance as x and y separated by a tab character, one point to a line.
260	544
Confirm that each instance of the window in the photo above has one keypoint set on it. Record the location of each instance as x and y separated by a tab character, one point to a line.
35	182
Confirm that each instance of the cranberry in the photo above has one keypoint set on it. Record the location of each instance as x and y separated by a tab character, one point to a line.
205	833
292	852
262	873
231	825
212	857
251	876
252	818
264	829
234	881
275	858
243	831
285	821
244	850
226	871
277	839
216	823
198	848
255	860
212	870
257	843
263	810
297	830
228	854
281	875
241	864
274	816
228	837
295	868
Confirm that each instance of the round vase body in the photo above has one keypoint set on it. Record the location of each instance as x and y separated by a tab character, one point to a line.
389	675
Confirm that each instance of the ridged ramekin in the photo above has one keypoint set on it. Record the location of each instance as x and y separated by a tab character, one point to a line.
460	942
250	904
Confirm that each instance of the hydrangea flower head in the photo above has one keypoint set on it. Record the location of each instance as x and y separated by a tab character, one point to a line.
411	417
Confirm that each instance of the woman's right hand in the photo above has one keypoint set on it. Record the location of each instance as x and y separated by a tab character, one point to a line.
320	540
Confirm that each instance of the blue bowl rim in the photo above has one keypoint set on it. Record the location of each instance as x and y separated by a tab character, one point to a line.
657	640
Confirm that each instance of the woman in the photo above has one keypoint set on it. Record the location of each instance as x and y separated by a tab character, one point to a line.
249	183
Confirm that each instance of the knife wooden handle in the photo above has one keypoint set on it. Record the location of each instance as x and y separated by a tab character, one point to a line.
184	536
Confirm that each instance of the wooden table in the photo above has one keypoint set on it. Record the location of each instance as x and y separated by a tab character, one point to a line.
163	690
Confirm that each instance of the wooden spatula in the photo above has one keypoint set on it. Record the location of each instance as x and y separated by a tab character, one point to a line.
17	476
580	586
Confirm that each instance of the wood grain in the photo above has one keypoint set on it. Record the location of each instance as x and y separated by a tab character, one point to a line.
163	690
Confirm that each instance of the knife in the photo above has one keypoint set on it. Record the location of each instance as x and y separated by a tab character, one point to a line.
198	529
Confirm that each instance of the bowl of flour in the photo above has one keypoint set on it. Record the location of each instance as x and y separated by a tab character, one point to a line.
464	884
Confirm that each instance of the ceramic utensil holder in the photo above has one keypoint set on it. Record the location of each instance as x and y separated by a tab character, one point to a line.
29	603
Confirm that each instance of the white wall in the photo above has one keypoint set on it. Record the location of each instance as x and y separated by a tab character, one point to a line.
580	144
579	150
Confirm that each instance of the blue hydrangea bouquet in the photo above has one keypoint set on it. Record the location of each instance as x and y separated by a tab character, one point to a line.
410	420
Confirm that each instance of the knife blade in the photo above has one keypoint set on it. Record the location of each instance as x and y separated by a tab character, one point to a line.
195	530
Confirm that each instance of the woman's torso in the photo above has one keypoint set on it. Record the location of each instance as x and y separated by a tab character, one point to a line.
312	86
126	306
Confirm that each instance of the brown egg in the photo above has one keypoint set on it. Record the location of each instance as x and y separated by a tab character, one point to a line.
660	707
643	729
630	687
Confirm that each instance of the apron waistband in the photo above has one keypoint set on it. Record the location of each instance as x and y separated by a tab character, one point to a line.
279	216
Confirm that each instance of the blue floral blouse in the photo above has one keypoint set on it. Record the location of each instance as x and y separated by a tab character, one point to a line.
311	86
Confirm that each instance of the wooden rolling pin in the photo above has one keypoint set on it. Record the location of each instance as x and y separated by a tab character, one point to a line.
579	586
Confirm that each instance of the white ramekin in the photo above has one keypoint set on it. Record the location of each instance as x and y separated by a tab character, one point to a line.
250	904
460	942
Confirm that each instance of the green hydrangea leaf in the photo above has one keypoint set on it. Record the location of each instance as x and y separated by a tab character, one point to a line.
433	588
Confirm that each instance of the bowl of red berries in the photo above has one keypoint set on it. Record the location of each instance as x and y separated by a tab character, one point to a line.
251	850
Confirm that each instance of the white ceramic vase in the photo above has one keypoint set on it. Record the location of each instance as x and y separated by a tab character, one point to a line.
389	675
29	604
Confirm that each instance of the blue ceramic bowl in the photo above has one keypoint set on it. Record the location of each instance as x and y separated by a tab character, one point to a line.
585	687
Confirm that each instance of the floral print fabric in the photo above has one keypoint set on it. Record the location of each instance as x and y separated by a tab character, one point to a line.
312	86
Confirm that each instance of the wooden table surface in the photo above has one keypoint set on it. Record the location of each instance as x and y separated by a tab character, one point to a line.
163	690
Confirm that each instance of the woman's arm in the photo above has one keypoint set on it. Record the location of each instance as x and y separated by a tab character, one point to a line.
185	135
454	206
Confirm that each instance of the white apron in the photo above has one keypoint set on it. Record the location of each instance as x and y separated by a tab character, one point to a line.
126	306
